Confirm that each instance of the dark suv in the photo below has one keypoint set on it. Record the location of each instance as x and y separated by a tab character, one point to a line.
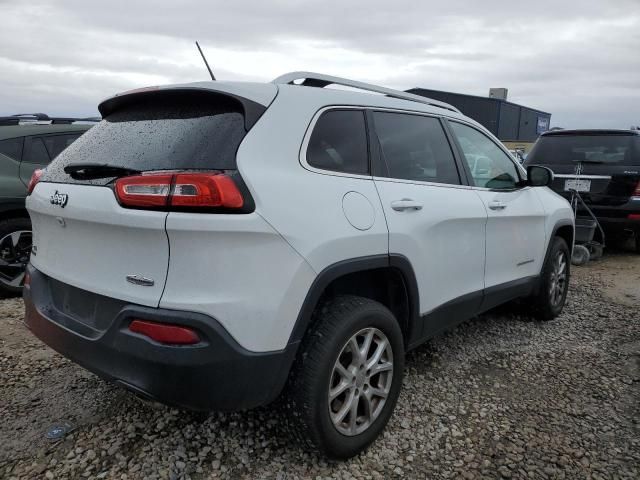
27	142
604	166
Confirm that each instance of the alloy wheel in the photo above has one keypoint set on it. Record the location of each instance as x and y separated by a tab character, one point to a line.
558	282
360	381
14	255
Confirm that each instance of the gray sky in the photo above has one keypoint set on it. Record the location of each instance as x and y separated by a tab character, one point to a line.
578	59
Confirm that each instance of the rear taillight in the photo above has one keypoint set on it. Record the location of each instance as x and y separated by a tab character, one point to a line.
634	216
164	333
636	192
179	191
35	178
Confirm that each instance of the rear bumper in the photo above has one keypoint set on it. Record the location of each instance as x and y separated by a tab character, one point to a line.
618	226
615	220
215	374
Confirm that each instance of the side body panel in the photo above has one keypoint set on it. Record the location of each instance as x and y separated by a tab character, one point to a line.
238	270
306	206
11	188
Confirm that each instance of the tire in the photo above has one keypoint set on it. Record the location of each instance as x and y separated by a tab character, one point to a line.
315	372
15	247
552	293
580	256
637	241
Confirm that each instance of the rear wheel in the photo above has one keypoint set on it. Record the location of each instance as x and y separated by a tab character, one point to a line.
554	282
347	377
637	240
15	247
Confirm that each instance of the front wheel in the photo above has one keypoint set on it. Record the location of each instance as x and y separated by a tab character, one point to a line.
554	281
15	247
347	377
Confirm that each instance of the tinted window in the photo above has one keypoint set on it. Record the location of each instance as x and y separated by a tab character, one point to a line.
12	148
415	148
339	142
162	132
37	152
570	149
57	143
490	167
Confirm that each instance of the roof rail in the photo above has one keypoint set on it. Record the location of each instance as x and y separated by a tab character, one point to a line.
30	118
320	80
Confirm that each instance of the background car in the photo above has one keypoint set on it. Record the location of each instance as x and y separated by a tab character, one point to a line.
604	167
27	142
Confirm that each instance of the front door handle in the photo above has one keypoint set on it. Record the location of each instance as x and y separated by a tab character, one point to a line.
496	205
405	204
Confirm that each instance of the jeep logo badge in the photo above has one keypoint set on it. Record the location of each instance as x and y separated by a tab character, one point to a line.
59	199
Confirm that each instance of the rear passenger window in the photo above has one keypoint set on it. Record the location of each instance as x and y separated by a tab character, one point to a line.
37	152
12	148
57	143
415	147
339	142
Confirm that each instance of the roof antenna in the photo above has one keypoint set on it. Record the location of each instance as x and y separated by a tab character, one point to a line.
205	62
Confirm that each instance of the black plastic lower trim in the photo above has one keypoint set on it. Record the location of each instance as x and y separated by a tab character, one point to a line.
215	374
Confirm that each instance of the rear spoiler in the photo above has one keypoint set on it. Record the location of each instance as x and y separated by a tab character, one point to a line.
253	107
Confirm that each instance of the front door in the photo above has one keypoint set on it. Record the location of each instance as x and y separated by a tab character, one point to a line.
515	225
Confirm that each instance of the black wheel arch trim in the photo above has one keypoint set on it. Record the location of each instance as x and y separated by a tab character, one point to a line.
354	265
559	224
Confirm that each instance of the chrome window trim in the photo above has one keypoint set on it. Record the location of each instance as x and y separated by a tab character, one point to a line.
307	136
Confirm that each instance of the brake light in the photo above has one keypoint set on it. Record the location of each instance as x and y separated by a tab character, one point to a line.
634	216
179	190
33	181
205	190
165	333
636	192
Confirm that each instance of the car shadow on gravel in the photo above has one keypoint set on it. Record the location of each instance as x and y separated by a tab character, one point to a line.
499	396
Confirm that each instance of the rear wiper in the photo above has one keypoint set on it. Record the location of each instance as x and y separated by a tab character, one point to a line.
92	171
587	161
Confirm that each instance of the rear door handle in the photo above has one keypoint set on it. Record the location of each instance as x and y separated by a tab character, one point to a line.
496	205
406	204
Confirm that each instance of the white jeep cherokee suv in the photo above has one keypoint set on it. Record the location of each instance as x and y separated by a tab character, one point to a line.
213	245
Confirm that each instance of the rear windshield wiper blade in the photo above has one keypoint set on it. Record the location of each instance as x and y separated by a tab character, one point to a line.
587	161
91	171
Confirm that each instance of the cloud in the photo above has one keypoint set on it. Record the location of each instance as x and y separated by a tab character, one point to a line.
575	59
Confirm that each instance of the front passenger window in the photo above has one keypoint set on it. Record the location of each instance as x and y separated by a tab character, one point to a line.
490	167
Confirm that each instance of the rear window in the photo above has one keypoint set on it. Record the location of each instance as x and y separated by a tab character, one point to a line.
569	149
174	132
339	142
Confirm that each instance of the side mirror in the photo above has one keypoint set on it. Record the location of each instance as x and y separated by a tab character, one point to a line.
538	176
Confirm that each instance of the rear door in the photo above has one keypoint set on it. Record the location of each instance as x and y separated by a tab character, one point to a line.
434	220
516	218
83	236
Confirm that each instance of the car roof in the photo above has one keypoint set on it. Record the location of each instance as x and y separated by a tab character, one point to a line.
589	131
265	93
13	131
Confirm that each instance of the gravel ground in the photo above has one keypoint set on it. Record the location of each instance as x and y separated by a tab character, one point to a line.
500	396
